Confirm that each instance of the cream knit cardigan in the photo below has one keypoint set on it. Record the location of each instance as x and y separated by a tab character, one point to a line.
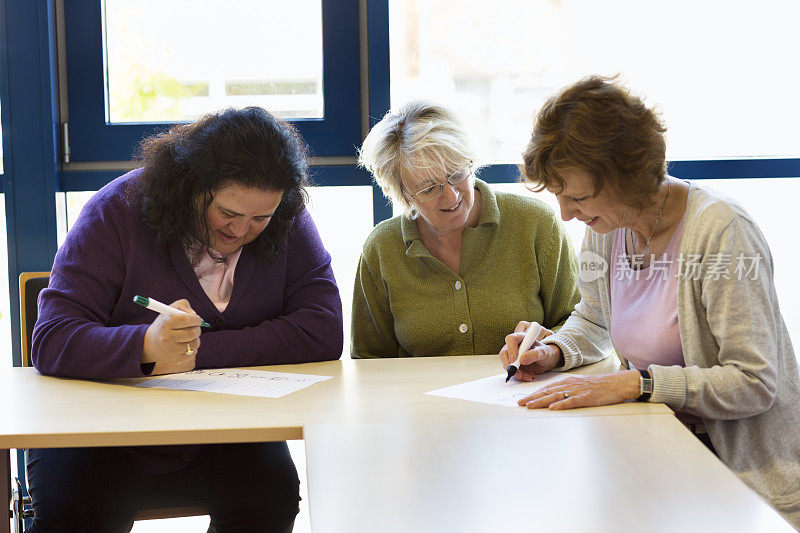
741	375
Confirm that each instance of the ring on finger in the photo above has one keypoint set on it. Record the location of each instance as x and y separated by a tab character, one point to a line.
566	395
189	350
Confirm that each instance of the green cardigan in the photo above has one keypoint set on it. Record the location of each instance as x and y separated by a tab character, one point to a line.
517	264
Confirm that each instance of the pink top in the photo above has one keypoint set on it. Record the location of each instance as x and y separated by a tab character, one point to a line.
216	278
644	306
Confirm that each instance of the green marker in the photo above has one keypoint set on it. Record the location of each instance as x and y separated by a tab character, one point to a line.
158	307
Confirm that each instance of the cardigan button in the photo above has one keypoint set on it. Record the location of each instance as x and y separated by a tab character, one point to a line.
219	322
458	285
463	328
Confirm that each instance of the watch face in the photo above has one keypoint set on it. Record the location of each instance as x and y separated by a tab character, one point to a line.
647	386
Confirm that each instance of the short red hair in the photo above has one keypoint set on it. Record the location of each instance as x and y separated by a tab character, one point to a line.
597	126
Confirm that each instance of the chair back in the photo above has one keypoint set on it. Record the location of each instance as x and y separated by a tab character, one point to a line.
30	285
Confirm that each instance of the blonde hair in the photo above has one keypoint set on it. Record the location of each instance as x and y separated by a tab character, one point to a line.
420	136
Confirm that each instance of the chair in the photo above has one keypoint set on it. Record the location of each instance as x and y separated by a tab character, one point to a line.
30	285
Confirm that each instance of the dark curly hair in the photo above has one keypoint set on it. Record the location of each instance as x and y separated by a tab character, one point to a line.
597	126
185	165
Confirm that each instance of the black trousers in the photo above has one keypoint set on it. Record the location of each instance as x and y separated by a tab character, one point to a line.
245	487
704	438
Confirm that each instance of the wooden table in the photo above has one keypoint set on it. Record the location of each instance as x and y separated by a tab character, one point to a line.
57	412
590	474
367	399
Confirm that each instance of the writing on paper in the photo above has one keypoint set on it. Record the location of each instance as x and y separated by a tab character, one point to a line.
494	389
235	381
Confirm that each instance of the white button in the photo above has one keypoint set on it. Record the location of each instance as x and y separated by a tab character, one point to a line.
458	285
462	328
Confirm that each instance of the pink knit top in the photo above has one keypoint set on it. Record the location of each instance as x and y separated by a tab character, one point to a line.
217	278
644	306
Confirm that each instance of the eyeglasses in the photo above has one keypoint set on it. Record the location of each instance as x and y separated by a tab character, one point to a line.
435	191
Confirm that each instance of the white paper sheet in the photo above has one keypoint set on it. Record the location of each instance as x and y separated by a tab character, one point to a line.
494	389
235	381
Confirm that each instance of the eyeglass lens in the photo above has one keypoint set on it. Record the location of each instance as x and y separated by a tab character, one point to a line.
435	191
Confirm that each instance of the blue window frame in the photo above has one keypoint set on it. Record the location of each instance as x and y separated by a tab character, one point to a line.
92	139
699	169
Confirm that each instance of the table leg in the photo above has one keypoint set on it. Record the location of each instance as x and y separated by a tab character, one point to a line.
5	492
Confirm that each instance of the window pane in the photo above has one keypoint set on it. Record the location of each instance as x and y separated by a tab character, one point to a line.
175	60
344	218
68	207
713	67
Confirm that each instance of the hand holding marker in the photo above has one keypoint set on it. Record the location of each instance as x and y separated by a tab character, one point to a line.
158	307
530	337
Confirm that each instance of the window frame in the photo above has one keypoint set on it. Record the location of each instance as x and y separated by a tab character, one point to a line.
341	20
691	169
92	139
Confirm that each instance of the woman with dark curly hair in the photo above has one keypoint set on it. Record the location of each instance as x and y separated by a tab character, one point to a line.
215	223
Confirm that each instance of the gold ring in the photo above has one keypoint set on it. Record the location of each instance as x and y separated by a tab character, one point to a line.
189	350
565	395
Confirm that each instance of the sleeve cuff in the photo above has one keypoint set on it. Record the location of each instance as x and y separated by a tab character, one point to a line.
669	385
569	351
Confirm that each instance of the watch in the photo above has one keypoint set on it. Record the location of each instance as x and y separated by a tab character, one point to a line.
645	386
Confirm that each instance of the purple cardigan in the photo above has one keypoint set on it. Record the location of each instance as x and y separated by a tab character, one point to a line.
287	311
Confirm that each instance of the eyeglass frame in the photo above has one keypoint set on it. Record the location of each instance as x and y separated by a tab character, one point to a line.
448	181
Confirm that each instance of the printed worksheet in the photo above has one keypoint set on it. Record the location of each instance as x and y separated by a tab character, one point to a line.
235	381
494	389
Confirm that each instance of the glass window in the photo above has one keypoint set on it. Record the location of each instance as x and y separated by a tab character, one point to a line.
344	218
68	207
175	60
705	64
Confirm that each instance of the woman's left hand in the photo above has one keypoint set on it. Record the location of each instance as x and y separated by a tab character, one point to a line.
586	391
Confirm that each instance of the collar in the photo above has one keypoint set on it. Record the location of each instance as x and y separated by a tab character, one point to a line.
489	217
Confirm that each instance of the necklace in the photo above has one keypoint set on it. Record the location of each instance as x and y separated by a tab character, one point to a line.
638	264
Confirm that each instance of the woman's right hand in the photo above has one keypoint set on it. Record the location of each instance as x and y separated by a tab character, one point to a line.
171	342
537	360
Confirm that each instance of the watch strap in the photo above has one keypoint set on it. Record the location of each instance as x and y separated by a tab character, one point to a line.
645	386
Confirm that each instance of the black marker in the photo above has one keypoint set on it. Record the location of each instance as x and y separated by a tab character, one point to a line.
530	337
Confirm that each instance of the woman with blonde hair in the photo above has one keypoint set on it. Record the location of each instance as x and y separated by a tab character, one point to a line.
463	263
